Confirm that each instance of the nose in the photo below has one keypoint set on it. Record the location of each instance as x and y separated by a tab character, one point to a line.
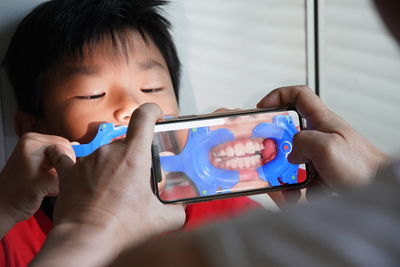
124	109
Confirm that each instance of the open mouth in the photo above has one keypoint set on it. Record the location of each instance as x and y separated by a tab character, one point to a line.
243	154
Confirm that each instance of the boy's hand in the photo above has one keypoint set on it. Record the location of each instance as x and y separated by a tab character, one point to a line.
340	155
28	176
110	190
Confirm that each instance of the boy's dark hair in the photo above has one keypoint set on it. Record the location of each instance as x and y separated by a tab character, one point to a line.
58	29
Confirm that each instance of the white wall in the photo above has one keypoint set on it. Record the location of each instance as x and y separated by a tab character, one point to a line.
236	51
361	71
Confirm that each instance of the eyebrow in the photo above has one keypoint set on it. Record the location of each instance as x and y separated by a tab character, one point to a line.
80	70
90	70
150	64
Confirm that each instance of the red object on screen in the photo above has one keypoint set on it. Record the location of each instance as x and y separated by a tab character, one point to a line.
301	175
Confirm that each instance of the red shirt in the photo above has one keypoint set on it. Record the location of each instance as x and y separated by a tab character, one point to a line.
21	244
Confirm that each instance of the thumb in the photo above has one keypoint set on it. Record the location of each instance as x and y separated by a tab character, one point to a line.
309	146
59	159
141	126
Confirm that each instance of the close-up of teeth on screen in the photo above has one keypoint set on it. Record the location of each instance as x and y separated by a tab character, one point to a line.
232	154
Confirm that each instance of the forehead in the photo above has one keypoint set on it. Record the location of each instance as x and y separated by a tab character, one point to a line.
131	49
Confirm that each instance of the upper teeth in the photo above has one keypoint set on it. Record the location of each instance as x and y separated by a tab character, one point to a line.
239	149
230	152
250	148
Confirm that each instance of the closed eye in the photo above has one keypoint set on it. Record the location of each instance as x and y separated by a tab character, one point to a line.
151	90
92	96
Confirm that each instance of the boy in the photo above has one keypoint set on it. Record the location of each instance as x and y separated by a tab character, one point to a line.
75	64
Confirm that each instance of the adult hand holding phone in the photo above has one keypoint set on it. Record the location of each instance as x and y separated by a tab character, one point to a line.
106	201
340	155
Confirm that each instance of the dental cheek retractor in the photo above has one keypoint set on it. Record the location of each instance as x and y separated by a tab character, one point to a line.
195	163
105	134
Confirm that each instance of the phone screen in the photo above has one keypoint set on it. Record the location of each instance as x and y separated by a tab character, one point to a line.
231	154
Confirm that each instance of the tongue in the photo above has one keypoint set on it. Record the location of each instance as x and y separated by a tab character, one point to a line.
269	151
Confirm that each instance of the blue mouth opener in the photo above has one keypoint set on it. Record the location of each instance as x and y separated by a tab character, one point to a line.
106	133
194	159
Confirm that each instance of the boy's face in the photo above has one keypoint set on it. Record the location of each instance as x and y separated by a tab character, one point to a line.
105	87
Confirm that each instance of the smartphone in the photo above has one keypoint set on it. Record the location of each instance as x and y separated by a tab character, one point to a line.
198	158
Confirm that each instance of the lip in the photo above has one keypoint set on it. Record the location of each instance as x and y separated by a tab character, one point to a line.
244	155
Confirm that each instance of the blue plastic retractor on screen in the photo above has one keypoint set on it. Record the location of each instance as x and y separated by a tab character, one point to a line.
278	171
195	163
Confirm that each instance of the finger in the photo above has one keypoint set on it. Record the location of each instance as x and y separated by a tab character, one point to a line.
302	97
308	104
278	198
224	110
48	139
292	195
309	146
45	138
316	189
52	140
177	213
50	183
59	159
141	126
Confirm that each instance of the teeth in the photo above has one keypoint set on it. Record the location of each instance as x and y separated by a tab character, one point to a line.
253	161
257	146
243	154
250	149
230	152
228	164
221	165
247	162
239	150
234	163
240	163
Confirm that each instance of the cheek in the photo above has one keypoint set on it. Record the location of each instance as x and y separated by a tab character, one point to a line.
82	124
72	122
168	104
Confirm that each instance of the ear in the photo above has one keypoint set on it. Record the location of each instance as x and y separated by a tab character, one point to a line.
24	122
